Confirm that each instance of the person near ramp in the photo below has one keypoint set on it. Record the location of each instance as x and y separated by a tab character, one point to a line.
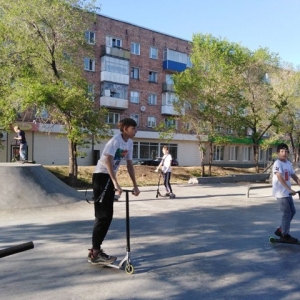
166	168
23	143
282	173
106	186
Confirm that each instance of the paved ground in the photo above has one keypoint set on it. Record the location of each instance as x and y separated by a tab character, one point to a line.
211	242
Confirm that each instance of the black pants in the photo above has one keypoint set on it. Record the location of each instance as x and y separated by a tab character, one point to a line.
104	209
167	177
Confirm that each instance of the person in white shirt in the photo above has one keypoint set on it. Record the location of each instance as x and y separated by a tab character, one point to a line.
106	186
166	167
282	173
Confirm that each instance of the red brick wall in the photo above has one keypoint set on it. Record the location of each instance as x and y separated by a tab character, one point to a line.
147	38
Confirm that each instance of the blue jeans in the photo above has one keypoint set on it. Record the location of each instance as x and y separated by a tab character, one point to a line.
23	151
287	207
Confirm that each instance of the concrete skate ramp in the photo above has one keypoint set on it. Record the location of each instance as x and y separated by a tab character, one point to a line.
31	185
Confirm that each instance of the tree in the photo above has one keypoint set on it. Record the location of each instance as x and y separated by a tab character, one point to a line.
288	83
207	89
262	102
49	37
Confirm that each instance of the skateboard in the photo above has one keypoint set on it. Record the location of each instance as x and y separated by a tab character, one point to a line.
274	240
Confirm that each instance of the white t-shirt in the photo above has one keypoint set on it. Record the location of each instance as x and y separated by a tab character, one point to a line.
167	159
117	148
286	170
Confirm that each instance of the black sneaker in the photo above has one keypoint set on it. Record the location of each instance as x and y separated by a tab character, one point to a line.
288	239
278	232
102	259
172	196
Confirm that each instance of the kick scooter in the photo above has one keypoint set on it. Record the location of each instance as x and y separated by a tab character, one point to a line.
129	269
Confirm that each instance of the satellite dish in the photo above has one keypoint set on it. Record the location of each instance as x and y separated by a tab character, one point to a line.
143	108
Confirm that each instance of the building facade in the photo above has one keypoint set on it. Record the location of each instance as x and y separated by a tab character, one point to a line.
130	73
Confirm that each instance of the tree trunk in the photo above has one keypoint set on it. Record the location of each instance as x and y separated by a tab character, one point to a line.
255	152
210	158
294	150
73	167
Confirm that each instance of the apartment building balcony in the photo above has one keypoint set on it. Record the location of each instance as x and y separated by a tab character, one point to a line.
114	77
166	87
115	51
112	102
175	61
169	110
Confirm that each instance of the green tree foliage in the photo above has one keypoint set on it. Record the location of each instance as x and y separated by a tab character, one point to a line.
207	88
43	56
262	102
230	88
287	82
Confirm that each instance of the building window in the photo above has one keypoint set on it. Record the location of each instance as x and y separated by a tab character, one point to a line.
169	98
142	150
246	153
114	65
91	92
151	122
135	73
152	99
135	48
152	76
90	37
260	154
187	126
134	97
136	118
112	118
153	53
218	153
113	42
233	153
110	89
269	154
170	123
89	64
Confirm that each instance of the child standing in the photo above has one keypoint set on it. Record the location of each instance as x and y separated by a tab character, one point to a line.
105	186
165	164
282	172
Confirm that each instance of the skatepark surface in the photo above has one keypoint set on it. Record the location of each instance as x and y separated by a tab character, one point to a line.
210	242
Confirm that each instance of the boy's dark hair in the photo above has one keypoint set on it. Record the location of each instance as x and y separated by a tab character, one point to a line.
282	146
126	123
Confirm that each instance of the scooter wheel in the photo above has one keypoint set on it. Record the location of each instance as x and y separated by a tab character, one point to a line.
129	269
272	240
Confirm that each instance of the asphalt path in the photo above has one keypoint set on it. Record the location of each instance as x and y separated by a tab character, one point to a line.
210	242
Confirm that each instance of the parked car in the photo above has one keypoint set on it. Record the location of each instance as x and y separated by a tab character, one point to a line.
156	162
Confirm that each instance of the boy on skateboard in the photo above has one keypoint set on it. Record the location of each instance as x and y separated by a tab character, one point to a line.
105	186
282	173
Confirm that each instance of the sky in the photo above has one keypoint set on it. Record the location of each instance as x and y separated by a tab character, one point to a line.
272	24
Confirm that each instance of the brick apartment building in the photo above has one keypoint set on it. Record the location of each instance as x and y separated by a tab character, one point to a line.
130	74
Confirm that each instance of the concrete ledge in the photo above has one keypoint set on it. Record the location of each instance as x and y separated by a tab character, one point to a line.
255	177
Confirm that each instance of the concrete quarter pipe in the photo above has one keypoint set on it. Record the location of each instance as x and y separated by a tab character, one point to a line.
30	186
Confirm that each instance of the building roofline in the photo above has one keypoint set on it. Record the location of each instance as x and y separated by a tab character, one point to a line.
101	15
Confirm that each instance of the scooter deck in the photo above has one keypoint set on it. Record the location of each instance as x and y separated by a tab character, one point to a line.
274	240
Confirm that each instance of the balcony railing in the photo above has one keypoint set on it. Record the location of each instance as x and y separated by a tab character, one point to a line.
113	102
115	51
